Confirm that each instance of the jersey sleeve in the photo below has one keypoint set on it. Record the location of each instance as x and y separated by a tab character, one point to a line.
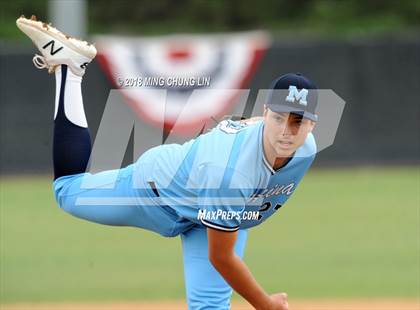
222	196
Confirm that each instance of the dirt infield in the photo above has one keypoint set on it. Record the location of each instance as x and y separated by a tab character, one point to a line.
376	304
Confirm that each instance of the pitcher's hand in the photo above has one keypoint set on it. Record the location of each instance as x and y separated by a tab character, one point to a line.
279	302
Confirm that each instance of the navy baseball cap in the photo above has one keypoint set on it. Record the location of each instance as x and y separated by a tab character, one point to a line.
293	93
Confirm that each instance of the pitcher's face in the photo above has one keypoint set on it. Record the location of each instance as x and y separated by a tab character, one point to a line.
285	132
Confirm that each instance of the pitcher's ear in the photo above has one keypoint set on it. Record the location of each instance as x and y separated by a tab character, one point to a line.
265	110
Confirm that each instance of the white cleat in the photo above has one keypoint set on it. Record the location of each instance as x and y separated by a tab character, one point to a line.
56	47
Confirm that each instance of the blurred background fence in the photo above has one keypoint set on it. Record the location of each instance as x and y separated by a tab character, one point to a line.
368	52
378	78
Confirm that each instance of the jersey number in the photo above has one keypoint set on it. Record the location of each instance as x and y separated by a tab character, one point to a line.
265	207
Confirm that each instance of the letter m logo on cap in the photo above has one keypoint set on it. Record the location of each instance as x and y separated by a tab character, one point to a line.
298	95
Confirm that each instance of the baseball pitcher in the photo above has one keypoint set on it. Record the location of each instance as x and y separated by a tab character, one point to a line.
209	190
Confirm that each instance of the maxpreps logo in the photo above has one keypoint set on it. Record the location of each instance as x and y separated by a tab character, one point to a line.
285	189
227	215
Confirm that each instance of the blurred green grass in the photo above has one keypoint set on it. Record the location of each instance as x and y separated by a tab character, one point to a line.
346	233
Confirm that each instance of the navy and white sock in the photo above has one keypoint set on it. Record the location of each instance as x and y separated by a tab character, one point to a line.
72	143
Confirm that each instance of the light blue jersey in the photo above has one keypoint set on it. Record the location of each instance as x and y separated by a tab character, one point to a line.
221	179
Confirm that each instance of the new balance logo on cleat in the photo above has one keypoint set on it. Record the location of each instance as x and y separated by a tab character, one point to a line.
52	51
56	47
